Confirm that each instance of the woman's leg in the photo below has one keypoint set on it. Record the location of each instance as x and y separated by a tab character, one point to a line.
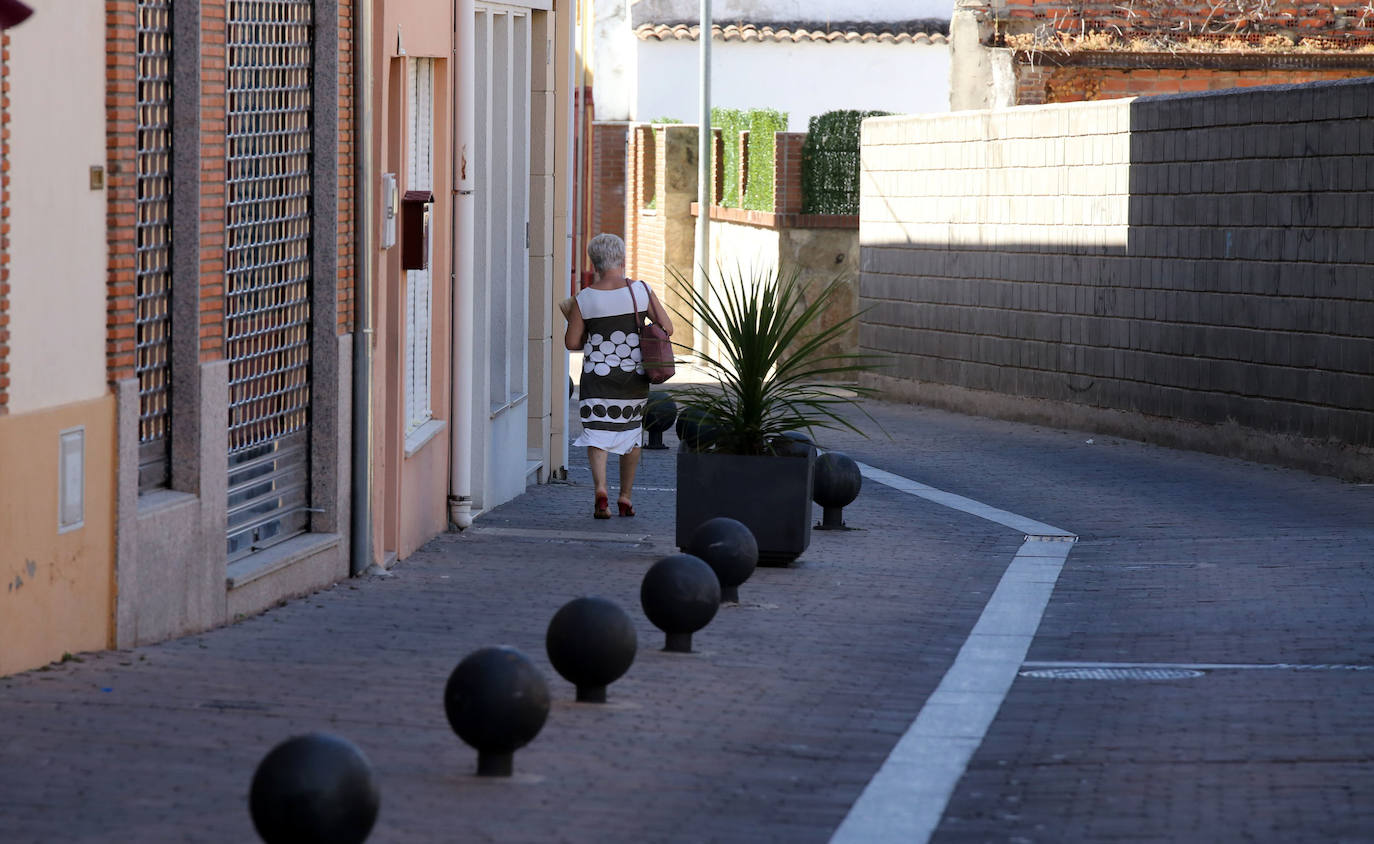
596	458
629	462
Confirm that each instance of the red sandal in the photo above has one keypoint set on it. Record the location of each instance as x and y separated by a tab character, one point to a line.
603	509
626	508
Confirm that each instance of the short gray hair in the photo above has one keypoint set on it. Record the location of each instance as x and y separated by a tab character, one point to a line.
606	250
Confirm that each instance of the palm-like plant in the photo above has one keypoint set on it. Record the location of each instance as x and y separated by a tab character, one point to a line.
771	361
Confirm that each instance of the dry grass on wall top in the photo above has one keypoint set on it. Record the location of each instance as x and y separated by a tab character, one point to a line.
1220	26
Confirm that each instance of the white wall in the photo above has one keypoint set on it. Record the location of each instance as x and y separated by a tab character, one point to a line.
802	79
57	235
613	45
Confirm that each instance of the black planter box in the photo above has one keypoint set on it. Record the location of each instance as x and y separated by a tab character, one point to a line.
770	495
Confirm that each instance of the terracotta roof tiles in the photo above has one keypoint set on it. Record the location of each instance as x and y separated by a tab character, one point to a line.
755	33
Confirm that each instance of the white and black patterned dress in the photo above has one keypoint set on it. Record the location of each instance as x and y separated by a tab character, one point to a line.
614	388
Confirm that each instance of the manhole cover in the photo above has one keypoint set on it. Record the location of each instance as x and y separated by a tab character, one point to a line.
1112	673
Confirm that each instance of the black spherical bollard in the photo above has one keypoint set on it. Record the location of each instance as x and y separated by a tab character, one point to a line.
497	702
729	548
694	429
680	595
659	415
836	484
591	642
314	788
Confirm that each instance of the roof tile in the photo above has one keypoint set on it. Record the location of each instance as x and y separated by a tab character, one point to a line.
751	33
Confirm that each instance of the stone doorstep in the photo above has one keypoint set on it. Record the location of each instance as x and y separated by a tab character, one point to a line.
278	558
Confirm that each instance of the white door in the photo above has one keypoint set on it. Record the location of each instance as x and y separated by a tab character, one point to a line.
501	251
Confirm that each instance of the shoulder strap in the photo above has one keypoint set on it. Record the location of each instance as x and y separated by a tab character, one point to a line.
630	285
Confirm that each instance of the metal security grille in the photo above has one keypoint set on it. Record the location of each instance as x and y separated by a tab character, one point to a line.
268	270
153	235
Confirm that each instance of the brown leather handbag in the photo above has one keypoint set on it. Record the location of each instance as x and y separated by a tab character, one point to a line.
655	349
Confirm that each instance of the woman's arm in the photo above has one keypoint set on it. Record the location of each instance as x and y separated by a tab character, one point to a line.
658	313
573	338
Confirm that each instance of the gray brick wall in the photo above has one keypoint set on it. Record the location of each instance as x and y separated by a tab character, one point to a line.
1201	258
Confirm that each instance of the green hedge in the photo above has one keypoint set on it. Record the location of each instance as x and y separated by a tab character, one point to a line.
730	122
761	123
830	162
764	123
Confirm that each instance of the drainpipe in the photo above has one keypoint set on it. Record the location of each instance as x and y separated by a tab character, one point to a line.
360	540
578	113
464	207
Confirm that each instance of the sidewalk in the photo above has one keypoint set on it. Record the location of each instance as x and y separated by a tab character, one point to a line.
772	729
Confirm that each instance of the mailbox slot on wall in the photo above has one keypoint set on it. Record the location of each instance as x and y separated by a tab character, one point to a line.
415	208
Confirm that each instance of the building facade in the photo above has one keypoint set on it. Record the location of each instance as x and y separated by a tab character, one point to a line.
227	348
210	215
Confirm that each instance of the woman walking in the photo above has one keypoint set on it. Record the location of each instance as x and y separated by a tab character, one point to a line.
604	321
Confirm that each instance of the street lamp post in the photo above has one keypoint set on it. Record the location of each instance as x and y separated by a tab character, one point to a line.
705	147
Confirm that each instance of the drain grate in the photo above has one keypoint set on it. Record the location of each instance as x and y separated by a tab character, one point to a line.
1112	673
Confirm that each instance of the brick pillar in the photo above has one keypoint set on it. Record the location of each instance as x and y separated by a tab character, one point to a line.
346	234
609	177
787	169
214	106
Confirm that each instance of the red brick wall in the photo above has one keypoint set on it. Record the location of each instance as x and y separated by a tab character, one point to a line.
346	187
1099	28
654	242
643	227
1074	84
1338	20
214	104
609	149
121	185
787	159
4	222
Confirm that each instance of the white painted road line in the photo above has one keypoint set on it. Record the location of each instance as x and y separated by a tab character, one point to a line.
1209	666
1030	527
907	797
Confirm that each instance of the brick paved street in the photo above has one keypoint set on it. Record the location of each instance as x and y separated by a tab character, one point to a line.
794	698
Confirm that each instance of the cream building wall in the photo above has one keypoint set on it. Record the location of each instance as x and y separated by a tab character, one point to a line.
57	234
56	564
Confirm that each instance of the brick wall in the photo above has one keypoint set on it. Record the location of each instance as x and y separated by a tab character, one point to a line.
1144	47
4	222
1189	269
610	147
787	181
1041	84
121	180
347	197
1232	17
644	229
121	185
214	104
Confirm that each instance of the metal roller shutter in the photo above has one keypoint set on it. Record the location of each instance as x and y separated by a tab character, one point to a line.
268	271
